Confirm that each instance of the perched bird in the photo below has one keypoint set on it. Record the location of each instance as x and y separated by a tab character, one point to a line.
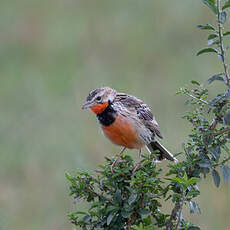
127	122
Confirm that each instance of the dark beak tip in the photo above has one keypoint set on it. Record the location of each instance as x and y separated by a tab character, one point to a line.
85	106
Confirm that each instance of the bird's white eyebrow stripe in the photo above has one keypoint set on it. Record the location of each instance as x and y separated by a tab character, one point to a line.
92	94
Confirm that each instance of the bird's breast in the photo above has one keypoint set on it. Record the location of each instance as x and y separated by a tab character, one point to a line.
123	131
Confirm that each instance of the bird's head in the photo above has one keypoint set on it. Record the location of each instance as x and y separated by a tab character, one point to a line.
99	99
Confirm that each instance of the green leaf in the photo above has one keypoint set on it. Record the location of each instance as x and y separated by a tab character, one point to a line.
126	214
80	212
223	17
193	193
143	211
226	173
226	5
135	227
216	99
204	164
198	208
94	205
215	152
193	180
110	208
195	82
176	196
215	77
177	180
226	33
227	118
207	50
227	94
69	177
211	4
193	228
206	27
149	227
226	149
192	206
185	177
216	177
117	196
211	36
110	217
87	219
132	198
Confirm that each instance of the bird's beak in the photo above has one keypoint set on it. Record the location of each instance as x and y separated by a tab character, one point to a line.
87	105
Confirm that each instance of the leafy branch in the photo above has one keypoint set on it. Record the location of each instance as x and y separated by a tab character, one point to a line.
221	18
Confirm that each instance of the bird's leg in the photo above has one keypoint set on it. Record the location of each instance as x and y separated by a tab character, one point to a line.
117	159
137	166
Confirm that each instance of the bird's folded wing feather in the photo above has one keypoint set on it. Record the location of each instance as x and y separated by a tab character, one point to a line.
142	111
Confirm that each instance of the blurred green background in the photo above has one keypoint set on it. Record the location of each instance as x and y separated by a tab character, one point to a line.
52	53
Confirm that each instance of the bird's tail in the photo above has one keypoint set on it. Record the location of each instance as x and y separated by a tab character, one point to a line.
163	153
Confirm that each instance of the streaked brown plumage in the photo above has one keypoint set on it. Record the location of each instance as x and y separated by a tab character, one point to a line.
127	122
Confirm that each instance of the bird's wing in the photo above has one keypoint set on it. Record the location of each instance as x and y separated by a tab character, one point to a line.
142	111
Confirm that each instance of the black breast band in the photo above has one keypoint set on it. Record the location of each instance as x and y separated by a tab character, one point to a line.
107	117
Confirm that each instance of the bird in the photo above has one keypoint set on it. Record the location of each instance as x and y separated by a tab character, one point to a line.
128	122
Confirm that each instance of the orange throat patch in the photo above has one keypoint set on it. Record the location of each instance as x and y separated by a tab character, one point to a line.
99	108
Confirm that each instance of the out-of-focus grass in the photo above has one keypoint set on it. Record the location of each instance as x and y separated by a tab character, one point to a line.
51	54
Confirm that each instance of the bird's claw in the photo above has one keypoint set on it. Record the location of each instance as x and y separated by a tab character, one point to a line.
137	166
112	166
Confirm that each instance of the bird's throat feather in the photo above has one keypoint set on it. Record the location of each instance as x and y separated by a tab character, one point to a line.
99	108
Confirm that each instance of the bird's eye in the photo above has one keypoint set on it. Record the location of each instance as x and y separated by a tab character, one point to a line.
98	98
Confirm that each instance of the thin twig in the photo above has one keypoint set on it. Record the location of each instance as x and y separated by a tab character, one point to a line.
222	162
180	211
221	132
225	160
175	214
217	118
178	220
213	124
221	45
175	210
198	99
